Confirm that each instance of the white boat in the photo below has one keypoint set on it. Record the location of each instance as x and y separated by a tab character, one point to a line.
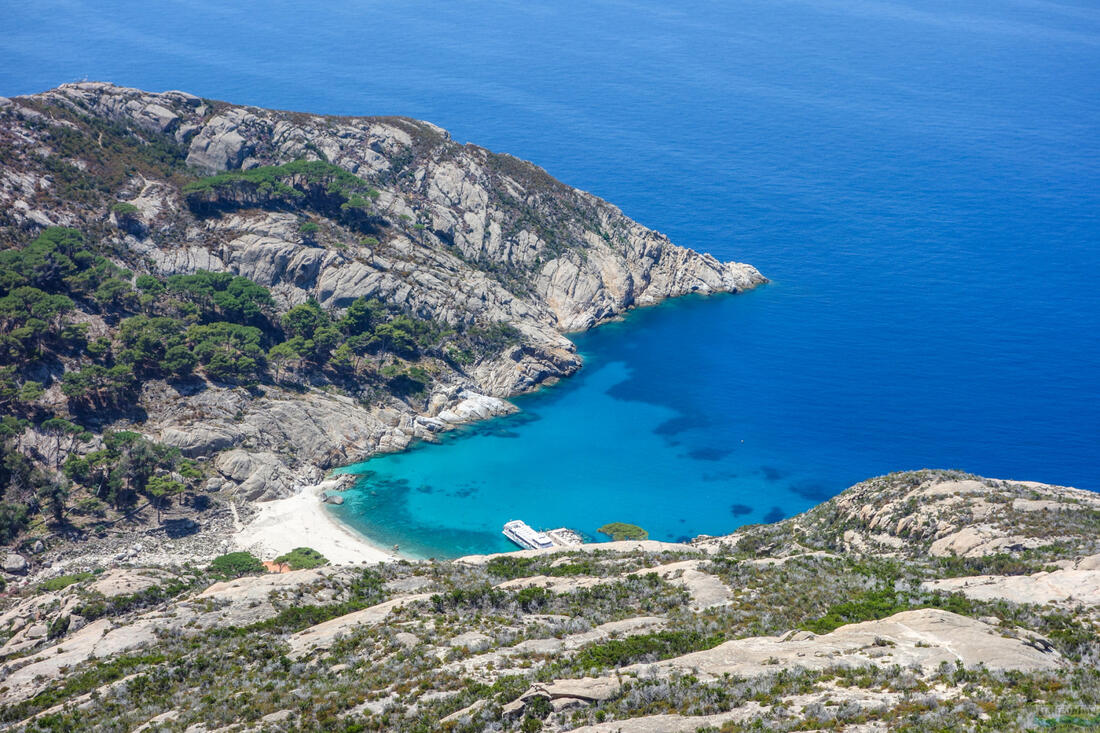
527	538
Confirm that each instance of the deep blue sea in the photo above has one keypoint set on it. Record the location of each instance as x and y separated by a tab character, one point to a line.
920	180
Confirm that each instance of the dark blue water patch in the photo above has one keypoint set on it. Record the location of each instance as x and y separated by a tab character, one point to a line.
775	514
677	425
740	510
709	454
425	489
812	491
464	492
773	474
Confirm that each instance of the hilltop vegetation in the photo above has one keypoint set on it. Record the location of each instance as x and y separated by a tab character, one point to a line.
794	635
96	333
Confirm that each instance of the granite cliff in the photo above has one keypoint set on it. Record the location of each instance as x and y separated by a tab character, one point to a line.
481	257
204	305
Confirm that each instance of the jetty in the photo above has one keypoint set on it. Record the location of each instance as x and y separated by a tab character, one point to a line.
564	537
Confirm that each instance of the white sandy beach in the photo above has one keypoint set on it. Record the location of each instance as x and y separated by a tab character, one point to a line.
303	520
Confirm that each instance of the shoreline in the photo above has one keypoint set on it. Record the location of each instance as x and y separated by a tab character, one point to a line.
302	520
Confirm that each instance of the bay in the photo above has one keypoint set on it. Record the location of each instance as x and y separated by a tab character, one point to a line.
919	178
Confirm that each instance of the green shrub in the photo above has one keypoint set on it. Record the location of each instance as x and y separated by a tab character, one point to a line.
644	648
287	181
13	518
64	581
236	565
302	558
867	606
124	208
58	627
623	531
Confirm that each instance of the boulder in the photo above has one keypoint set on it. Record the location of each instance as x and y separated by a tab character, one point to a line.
405	639
472	640
15	564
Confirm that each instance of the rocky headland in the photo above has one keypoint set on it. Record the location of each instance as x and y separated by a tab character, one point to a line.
407	283
204	307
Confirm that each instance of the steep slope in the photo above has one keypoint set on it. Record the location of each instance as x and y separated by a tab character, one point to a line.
388	283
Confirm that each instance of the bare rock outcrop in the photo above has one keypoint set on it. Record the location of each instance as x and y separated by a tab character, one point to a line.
925	638
456	234
1077	585
948	514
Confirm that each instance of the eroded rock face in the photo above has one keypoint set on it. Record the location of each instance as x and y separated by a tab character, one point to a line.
950	514
456	234
579	258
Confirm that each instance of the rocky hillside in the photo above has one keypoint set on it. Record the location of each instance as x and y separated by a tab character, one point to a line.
204	301
876	611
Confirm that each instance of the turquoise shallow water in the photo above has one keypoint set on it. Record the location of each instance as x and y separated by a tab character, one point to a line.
920	179
598	447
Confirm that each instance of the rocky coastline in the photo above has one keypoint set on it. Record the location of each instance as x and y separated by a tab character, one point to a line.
456	236
923	600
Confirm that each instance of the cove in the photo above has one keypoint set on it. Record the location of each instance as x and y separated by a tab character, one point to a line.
920	181
619	441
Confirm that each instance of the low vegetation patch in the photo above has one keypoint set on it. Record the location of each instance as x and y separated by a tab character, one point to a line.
302	558
64	581
623	531
236	565
643	648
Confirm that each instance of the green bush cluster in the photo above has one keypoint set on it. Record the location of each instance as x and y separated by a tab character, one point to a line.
127	465
510	566
222	325
343	196
236	565
124	208
643	648
623	531
302	558
40	286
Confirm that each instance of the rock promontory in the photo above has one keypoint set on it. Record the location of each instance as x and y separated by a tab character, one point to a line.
272	294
